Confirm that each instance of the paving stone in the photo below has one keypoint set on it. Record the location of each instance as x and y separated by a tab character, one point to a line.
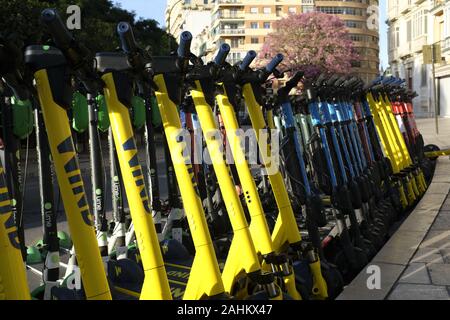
400	248
441	172
428	255
446	205
436	239
438	188
440	274
442	222
445	255
357	290
415	273
406	291
442	176
418	221
431	201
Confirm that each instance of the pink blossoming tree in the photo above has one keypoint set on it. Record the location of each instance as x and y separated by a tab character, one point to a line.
311	42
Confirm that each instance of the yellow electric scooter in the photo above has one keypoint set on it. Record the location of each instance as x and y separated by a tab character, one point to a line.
51	74
395	148
13	278
242	256
204	277
155	284
286	232
419	184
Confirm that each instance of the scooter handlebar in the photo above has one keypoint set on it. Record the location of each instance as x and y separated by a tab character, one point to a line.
61	35
377	87
320	79
224	50
377	80
249	57
350	82
184	49
340	81
274	63
127	40
294	80
332	80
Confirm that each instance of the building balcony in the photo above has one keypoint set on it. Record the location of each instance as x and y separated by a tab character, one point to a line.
223	16
437	4
418	43
237	32
404	7
231	2
393	13
446	45
393	55
405	50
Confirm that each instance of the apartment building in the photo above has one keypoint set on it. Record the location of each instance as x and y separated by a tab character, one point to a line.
245	24
361	19
191	15
413	24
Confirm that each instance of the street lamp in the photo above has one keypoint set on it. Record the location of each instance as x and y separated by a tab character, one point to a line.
168	22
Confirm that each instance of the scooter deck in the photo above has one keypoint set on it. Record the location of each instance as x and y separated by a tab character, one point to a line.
178	275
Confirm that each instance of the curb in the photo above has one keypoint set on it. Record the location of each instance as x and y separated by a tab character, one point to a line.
397	253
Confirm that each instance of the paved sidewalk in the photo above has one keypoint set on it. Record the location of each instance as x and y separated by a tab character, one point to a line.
415	263
427	274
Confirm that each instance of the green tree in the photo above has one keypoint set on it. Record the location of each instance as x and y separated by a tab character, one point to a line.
19	21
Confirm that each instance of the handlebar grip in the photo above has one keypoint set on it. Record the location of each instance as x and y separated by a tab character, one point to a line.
294	80
185	45
292	83
377	80
126	35
274	63
332	80
340	81
224	50
377	87
350	82
249	57
387	81
61	35
320	79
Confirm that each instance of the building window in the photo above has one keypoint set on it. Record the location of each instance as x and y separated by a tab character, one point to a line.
409	78
266	25
254	25
279	11
419	24
267	10
408	31
447	23
424	76
254	40
254	10
397	37
343	10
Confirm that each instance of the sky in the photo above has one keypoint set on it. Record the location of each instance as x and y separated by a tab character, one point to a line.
155	9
